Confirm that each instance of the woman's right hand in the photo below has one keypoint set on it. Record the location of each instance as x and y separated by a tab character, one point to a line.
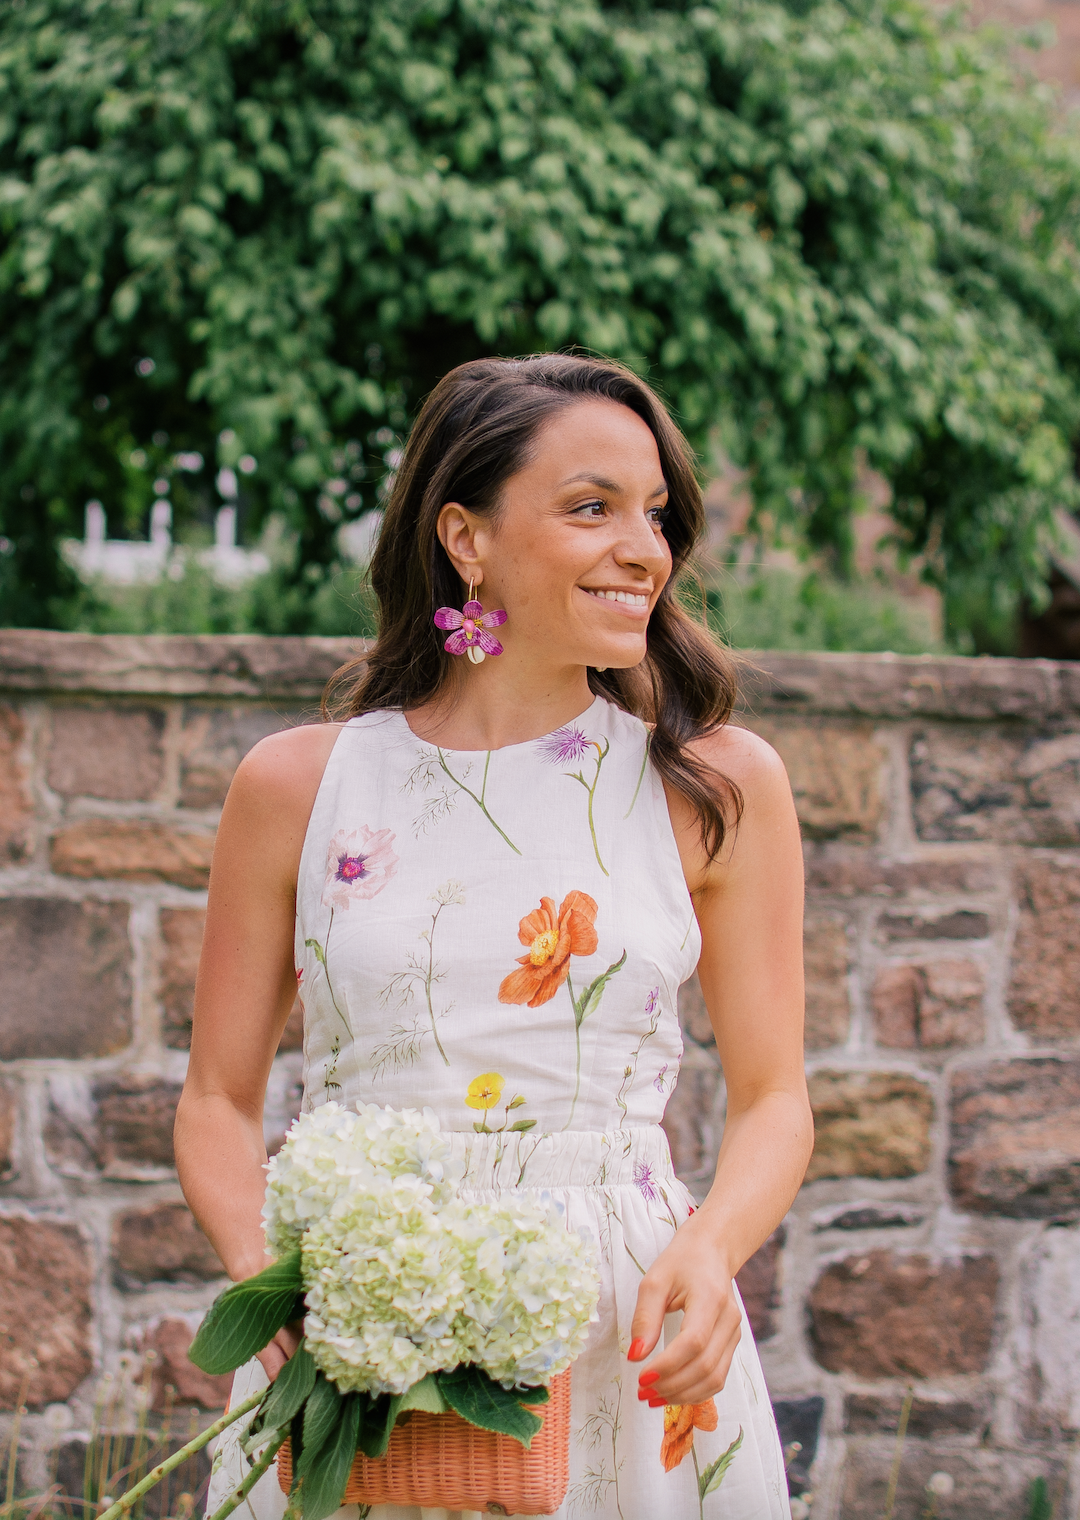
274	1356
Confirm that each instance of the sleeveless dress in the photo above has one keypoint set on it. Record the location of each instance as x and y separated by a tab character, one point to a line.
501	936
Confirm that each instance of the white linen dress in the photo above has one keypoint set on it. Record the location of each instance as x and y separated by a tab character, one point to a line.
501	937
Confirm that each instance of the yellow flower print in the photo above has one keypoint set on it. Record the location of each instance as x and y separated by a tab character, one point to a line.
484	1093
485	1090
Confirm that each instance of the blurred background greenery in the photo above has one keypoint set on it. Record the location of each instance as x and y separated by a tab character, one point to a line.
240	241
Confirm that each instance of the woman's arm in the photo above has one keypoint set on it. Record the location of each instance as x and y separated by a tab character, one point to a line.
245	989
749	906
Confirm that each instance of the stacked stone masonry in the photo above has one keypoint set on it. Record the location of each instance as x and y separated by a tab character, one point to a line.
934	1246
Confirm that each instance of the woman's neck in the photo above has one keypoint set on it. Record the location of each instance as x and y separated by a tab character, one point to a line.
490	706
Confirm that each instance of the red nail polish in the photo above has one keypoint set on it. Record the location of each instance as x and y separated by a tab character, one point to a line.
657	1403
647	1377
637	1350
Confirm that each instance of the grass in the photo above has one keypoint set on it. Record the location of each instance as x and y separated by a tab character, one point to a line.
126	1440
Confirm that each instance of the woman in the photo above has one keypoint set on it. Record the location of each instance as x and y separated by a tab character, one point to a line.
495	874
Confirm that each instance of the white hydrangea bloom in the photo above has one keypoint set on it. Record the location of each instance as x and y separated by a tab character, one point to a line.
384	1285
403	1277
331	1149
539	1294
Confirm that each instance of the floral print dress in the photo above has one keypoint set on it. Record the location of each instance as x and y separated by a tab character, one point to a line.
501	936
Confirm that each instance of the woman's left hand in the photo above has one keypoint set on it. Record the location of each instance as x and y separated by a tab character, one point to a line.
692	1276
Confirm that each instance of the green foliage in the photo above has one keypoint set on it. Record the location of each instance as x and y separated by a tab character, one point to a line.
1039	1506
474	1396
339	603
780	609
830	229
247	1316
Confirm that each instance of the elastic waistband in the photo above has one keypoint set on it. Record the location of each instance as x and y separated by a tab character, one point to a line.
637	1157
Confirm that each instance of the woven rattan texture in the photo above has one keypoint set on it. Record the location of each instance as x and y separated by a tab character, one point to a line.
441	1461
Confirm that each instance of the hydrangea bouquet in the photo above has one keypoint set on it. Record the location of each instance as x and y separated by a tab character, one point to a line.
411	1298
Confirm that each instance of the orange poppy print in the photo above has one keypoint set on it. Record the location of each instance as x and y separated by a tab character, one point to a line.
680	1422
551	936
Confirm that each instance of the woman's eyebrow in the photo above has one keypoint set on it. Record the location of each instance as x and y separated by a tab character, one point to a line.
607	485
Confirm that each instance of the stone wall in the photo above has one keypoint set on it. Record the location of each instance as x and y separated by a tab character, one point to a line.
934	1246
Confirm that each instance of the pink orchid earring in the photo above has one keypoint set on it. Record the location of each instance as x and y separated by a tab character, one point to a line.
471	626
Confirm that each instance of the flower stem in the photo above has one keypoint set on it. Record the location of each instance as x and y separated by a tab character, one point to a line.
478	800
577	1037
155	1475
430	978
238	1495
641	776
697	1472
321	955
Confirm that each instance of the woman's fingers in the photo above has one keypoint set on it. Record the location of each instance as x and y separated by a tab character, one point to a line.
274	1356
654	1295
696	1363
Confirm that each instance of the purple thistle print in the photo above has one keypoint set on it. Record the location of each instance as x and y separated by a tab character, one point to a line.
643	1181
565	746
658	1080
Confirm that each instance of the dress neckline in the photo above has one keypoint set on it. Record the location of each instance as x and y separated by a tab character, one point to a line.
503	748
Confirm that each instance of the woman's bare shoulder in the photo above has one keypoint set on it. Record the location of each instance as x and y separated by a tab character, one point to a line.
743	757
283	771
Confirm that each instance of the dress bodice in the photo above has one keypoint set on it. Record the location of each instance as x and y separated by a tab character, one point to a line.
499	935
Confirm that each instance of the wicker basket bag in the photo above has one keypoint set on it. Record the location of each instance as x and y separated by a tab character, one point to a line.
441	1461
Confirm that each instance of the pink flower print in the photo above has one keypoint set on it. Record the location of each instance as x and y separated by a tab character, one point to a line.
359	863
565	746
651	1002
472	624
658	1080
643	1181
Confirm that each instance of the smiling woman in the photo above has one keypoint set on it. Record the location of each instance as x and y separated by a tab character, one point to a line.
474	936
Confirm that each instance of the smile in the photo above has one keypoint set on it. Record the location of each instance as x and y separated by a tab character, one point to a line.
627	598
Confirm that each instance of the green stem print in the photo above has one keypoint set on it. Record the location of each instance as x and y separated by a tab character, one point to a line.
601	1430
641	776
652	1006
321	952
588	1002
710	1480
330	1081
404	1043
440	804
478	800
590	787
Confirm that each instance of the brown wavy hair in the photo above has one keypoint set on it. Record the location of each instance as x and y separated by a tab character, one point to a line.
473	432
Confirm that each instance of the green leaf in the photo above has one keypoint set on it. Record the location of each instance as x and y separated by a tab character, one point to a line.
481	1401
423	1395
376	1422
321	1414
713	1475
589	1001
291	1387
323	1488
537	1395
247	1316
522	1125
320	955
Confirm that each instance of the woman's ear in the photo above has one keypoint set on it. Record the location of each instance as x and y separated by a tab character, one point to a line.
457	529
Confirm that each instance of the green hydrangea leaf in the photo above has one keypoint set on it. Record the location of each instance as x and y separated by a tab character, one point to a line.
248	1315
484	1403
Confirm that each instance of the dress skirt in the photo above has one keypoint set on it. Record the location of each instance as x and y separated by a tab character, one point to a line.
627	1461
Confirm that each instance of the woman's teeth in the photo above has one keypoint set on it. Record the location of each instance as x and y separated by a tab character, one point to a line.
629	597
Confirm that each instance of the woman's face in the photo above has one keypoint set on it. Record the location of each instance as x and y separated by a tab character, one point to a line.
576	553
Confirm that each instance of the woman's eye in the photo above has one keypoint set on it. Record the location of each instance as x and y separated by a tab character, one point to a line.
659	516
592	511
